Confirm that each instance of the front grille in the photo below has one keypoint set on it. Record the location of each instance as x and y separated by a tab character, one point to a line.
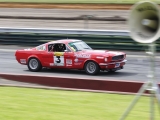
118	57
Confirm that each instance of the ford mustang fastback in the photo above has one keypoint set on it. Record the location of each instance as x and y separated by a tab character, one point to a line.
70	54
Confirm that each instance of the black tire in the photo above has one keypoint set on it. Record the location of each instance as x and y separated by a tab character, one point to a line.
91	68
37	66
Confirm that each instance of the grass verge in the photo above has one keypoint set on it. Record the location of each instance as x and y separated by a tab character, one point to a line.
39	104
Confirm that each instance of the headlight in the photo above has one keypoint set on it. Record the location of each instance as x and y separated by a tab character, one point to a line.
105	59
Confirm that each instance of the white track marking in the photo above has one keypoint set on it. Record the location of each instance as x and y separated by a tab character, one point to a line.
7	50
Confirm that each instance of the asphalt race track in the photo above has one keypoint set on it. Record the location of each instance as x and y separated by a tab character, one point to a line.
63	24
136	68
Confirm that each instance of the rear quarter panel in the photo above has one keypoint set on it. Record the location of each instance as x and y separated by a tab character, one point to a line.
22	56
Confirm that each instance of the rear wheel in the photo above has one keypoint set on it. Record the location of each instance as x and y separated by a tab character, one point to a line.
34	65
92	68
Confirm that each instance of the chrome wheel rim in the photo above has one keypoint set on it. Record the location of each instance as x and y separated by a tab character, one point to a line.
91	67
33	64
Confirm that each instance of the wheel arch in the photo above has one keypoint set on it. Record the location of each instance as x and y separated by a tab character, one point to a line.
33	56
88	61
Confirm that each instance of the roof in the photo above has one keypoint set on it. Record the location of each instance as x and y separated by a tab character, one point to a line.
64	41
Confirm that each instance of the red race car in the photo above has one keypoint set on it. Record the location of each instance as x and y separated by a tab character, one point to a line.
71	54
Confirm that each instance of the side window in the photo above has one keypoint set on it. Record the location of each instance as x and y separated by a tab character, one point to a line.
50	47
59	47
41	48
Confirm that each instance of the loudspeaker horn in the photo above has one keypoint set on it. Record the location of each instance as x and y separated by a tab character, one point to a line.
144	22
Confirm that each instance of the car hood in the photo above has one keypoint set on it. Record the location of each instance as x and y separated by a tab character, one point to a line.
106	53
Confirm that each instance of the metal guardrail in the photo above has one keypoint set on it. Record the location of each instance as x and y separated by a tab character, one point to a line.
97	39
65	31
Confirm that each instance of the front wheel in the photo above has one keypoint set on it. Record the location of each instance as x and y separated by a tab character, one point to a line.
92	68
34	65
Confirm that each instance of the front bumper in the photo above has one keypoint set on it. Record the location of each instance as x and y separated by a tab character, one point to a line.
113	65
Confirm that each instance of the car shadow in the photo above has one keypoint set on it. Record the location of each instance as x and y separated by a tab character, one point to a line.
117	74
71	72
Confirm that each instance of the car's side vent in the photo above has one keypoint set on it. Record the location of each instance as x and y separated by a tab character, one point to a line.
118	57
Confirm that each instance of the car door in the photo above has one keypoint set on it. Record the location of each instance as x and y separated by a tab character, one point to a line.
55	57
61	58
52	58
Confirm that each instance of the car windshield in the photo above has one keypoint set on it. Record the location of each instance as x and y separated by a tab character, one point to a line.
79	46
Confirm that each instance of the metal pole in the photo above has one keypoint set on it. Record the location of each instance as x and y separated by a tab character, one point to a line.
85	22
136	98
150	86
152	107
152	77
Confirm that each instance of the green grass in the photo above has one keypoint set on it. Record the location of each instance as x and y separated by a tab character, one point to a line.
77	1
39	104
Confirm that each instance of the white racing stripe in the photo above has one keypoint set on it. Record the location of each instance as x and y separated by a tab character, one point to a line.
135	56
